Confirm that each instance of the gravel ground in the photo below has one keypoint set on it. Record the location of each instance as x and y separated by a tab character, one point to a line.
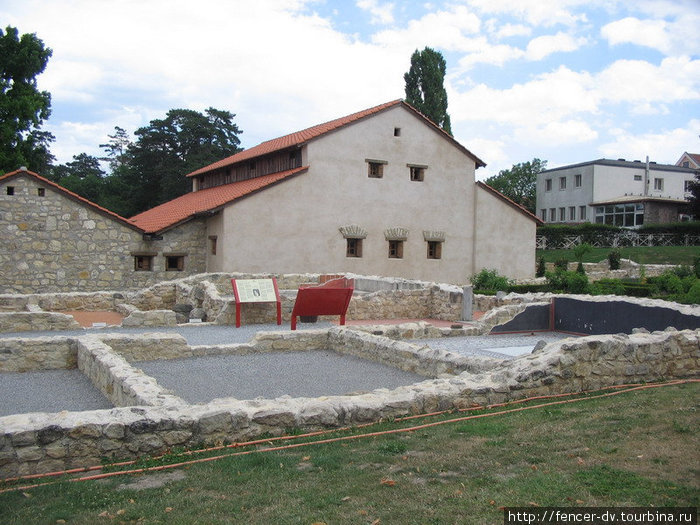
48	391
307	374
270	375
502	346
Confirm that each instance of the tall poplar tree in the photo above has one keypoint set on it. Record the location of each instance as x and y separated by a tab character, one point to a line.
23	108
425	88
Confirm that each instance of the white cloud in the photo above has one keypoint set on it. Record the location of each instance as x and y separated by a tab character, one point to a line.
381	13
557	133
546	13
545	45
664	146
501	31
679	36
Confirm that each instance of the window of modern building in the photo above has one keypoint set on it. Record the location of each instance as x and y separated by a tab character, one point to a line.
562	183
687	185
353	247
174	263
543	214
395	249
659	184
627	215
577	180
434	250
582	213
637	178
552	214
547	184
562	214
572	213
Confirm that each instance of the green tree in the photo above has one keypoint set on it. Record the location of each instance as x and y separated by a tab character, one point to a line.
425	88
83	175
168	149
23	108
519	183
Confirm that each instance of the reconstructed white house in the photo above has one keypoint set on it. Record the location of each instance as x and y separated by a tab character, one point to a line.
617	192
380	192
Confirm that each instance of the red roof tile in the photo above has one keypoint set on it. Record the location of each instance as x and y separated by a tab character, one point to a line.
70	195
185	207
301	137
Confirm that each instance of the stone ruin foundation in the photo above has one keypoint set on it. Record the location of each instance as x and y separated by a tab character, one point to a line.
148	419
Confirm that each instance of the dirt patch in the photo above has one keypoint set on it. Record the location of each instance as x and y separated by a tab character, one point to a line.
153	481
87	319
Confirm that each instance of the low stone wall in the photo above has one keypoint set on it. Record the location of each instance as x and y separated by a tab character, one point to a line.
123	384
25	321
31	443
43	353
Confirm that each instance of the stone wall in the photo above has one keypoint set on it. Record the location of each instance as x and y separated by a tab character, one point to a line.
31	443
42	353
51	241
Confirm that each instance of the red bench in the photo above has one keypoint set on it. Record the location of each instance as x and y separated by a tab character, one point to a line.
330	298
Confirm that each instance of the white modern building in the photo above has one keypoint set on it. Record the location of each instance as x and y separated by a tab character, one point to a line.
618	192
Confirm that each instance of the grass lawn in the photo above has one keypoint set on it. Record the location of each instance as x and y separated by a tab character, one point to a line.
641	254
635	449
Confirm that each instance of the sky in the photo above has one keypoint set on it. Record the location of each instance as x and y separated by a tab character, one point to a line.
564	81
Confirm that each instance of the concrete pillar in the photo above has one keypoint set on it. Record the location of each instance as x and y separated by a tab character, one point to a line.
467	303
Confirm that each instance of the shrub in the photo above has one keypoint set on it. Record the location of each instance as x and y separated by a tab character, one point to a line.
693	295
568	282
668	283
614	259
696	266
541	267
528	288
490	280
562	264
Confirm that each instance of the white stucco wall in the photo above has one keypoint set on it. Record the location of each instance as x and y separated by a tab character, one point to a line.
294	226
505	238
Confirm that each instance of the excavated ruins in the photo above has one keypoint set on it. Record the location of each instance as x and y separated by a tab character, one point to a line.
410	367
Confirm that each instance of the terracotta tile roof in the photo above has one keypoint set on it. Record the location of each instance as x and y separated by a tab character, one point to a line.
69	194
187	206
510	202
301	137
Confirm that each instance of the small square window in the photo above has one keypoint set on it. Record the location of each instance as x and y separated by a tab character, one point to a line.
397	132
395	249
41	192
143	263
10	190
637	178
174	263
375	170
353	248
548	185
434	250
417	173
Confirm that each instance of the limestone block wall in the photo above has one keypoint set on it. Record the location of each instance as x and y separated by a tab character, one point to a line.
51	241
42	353
31	443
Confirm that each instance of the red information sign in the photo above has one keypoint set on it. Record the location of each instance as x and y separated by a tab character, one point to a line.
256	291
331	298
